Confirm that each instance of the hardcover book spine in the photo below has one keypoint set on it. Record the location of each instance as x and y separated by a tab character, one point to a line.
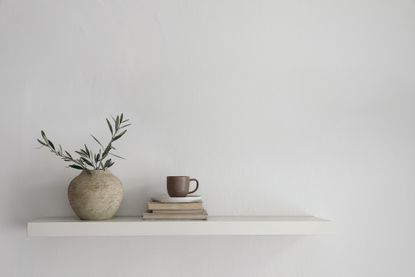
175	206
198	211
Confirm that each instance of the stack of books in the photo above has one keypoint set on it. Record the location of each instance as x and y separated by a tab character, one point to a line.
175	210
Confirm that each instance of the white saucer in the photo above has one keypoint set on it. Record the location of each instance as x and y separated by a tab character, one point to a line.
187	199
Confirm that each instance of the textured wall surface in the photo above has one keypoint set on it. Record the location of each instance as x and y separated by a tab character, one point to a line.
277	107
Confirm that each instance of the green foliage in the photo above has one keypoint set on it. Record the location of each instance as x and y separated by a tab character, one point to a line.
86	159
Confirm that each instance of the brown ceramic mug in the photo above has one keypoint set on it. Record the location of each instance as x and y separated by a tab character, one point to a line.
178	186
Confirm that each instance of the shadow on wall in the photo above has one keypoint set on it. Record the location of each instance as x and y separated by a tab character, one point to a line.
186	255
137	192
36	194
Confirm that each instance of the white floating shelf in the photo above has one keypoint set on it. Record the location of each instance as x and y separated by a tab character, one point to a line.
223	225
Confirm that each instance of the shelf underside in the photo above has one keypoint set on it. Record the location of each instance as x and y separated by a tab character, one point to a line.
215	225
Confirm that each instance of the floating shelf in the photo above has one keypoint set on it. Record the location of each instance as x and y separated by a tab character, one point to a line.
215	225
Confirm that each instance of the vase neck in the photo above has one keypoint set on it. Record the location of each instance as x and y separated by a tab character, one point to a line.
96	172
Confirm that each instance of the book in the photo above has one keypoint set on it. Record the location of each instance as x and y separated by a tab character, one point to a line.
167	199
201	216
198	211
174	206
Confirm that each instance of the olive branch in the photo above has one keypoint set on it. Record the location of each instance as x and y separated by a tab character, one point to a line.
87	159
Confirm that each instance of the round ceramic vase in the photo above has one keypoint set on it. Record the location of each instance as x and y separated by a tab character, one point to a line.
95	194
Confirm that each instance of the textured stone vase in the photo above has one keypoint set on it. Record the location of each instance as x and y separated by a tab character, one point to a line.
95	194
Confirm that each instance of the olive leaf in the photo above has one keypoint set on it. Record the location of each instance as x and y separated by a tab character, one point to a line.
109	125
119	157
75	166
120	135
41	142
97	141
51	144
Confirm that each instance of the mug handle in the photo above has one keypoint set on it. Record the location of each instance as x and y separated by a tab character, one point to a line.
197	185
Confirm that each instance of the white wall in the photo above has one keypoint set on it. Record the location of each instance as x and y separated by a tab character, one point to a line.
277	107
